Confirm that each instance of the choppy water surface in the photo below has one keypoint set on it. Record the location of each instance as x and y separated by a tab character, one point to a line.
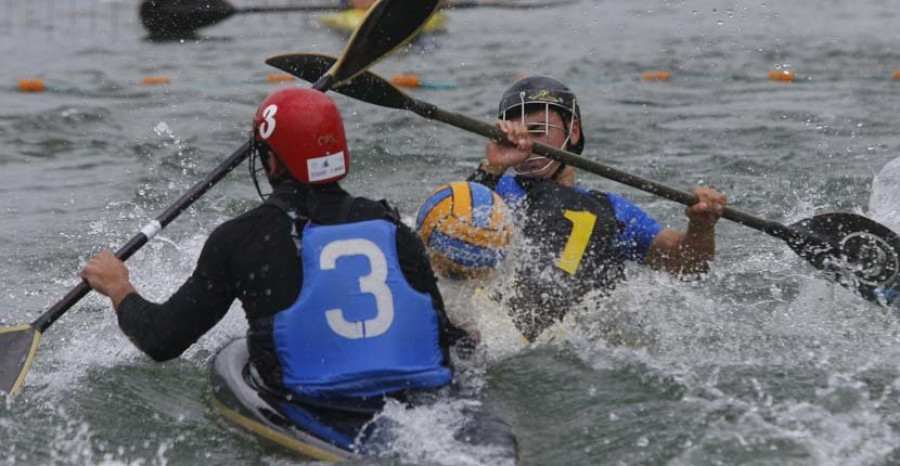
762	363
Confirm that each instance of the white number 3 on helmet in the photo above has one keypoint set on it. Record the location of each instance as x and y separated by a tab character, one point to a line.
267	127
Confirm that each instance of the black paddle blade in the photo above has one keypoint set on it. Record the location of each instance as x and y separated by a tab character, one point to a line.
388	25
858	252
366	86
17	348
172	19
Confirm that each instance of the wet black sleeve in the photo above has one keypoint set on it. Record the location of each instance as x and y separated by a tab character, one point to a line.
484	178
418	272
164	331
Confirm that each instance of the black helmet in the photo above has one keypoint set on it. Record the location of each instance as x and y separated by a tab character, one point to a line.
542	90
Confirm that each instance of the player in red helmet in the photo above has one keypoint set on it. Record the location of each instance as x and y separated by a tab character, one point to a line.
342	305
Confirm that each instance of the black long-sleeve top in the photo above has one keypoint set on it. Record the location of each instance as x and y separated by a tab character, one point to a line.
253	258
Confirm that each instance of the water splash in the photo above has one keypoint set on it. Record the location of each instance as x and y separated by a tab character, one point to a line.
884	203
436	433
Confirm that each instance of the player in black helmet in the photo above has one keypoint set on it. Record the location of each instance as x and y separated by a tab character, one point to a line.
550	93
582	238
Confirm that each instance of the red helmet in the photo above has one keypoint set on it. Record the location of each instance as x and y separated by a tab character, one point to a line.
305	131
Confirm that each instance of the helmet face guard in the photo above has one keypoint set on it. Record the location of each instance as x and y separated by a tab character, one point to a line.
259	152
538	165
547	93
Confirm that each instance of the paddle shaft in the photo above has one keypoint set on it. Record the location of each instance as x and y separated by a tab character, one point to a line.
432	112
139	240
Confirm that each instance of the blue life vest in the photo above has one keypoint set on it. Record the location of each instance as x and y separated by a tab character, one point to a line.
357	329
511	191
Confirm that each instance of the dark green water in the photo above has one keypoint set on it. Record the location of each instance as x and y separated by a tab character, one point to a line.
763	363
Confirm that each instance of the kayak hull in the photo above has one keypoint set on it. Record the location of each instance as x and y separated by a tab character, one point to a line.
325	433
240	403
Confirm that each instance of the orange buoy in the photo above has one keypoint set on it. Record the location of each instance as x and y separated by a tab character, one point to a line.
32	85
155	80
656	76
781	76
276	78
897	74
405	80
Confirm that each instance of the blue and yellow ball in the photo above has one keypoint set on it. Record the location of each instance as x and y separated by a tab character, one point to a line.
465	227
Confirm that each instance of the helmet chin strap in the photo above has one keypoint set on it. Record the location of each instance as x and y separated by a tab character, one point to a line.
540	171
559	170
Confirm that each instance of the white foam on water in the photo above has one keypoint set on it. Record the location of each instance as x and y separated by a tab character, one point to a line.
71	443
67	353
427	434
884	203
686	333
841	427
765	308
471	308
65	439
